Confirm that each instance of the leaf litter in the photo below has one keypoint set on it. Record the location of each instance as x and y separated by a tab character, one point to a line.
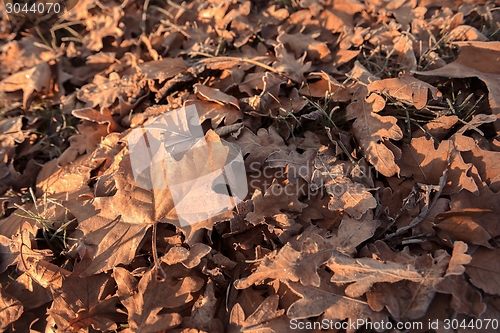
370	137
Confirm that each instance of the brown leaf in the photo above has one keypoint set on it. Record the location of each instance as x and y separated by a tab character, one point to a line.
189	258
461	225
215	95
425	164
163	69
290	265
276	200
476	59
407	299
333	304
260	320
372	130
35	79
362	273
326	86
218	113
85	142
81	303
146	298
353	232
481	210
287	64
484	270
11	309
28	292
105	91
300	43
405	88
458	259
257	148
299	165
115	225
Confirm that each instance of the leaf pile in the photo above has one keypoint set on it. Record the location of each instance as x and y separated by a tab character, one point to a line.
370	135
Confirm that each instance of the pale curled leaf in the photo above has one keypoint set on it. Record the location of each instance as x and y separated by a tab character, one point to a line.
364	272
458	259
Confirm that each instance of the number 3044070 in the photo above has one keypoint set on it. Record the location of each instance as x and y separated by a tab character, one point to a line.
36	8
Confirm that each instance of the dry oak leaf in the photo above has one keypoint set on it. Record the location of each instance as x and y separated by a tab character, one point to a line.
301	42
340	14
331	303
484	270
101	117
372	130
36	78
351	197
405	88
276	200
82	303
10	135
146	298
326	86
299	164
105	91
163	69
86	141
10	309
459	258
102	26
215	95
288	65
460	224
263	319
363	273
476	59
189	258
289	264
487	165
465	297
353	232
256	148
408	300
424	164
216	112
482	210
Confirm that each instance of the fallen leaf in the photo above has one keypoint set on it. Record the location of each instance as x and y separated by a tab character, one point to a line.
290	265
275	200
301	43
363	273
287	64
476	59
372	130
405	88
484	270
11	309
36	78
163	69
83	303
146	298
257	148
